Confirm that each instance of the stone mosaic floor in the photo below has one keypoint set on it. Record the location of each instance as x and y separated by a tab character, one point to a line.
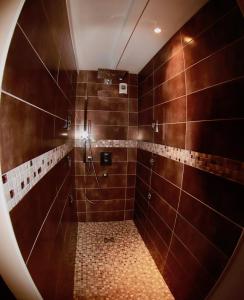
113	263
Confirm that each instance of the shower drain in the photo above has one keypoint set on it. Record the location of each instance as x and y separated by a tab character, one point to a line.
109	240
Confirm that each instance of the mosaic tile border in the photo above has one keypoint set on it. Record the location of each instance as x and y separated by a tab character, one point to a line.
109	143
20	180
218	165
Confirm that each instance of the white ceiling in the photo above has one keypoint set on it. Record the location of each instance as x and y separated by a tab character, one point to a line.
102	28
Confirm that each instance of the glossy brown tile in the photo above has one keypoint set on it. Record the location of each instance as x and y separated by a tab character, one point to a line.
105	216
195	272
219	102
215	37
170	69
145	101
106	194
216	192
169	50
167	168
171	89
211	258
104	118
217	137
37	127
162	208
206	17
171	112
114	132
166	190
219	67
31	20
211	224
174	135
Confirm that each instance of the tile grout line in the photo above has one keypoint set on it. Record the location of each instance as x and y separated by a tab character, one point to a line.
30	104
42	62
54	200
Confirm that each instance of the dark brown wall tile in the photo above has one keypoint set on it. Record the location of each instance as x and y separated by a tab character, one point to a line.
221	194
166	190
206	17
103	90
144	157
145	101
133	105
174	135
171	89
114	168
195	272
168	50
31	20
223	101
82	77
36	126
145	133
219	67
104	206
105	216
179	282
108	103
171	68
104	118
26	77
217	137
145	72
171	112
162	208
145	117
146	86
211	224
101	132
105	194
132	133
215	37
167	168
206	253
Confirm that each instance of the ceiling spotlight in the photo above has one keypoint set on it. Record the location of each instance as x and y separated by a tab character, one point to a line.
157	30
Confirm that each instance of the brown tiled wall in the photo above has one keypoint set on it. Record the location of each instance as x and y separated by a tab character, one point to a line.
194	87
38	84
113	117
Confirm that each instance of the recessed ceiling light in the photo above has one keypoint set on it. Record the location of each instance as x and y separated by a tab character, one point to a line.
157	30
188	39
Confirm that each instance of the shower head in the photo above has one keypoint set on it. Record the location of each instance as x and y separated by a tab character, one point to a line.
109	75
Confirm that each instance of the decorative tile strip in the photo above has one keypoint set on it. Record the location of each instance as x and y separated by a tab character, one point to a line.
218	165
109	143
20	180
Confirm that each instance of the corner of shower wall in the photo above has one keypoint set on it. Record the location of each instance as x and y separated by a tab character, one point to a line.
114	121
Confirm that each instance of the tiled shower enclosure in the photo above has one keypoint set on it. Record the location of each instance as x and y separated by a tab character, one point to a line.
171	201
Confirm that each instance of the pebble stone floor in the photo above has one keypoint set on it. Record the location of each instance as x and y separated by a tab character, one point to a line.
114	270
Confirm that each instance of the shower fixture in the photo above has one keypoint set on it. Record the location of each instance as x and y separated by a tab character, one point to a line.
67	124
111	75
155	126
87	140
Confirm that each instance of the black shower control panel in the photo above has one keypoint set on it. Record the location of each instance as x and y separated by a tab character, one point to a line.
105	158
